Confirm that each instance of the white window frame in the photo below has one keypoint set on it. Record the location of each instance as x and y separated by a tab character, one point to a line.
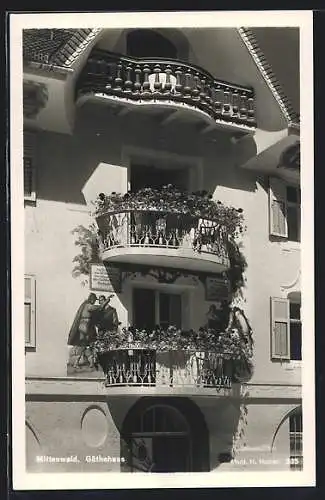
32	302
29	152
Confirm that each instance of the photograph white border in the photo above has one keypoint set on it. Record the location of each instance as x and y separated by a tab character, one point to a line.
22	480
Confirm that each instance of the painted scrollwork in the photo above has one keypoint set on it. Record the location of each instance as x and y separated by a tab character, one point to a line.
35	97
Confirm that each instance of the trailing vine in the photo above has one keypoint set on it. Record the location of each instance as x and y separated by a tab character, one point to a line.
87	241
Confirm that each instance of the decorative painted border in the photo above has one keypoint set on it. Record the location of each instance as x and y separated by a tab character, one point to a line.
266	71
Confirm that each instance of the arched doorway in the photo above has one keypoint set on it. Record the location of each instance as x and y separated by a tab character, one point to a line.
149	43
165	435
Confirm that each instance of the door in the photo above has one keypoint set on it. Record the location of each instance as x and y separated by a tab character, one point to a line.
170	454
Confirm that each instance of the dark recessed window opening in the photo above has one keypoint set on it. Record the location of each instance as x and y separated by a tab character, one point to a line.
295	331
149	43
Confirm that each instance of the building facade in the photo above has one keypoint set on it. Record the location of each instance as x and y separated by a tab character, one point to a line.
162	171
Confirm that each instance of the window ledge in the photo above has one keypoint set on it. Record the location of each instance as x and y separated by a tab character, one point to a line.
293	365
290	246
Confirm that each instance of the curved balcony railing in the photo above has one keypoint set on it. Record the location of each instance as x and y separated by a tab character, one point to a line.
182	368
152	232
166	80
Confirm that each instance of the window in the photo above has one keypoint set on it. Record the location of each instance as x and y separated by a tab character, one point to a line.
286	328
151	308
29	167
29	306
159	441
295	434
288	439
284	208
152	176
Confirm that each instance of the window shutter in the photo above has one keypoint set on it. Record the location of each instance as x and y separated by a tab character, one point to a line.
278	208
29	166
280	325
29	303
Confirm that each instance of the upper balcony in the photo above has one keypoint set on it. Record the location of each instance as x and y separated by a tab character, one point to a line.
167	228
175	88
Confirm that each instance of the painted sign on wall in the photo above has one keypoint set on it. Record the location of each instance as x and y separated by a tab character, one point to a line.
216	288
105	278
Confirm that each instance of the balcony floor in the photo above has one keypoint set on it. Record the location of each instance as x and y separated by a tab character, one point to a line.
176	258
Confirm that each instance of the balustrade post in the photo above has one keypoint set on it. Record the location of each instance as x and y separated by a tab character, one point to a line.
208	97
243	107
187	86
118	80
168	84
195	89
128	82
226	103
203	93
157	83
235	105
137	83
146	84
218	99
251	111
178	86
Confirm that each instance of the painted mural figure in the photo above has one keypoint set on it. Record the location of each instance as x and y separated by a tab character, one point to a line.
83	330
106	317
218	319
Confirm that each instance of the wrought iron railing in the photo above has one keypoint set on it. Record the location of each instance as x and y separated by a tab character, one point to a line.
146	367
170	80
152	228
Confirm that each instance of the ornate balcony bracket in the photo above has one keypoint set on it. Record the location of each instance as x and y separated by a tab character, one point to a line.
170	82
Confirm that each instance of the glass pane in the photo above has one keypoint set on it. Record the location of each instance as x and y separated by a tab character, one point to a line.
293	214
28	288
294	310
295	341
27	323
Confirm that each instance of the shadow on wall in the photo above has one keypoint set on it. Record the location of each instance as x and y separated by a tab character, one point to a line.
224	169
65	163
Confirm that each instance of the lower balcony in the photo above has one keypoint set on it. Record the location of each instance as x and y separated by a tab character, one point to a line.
161	239
171	369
